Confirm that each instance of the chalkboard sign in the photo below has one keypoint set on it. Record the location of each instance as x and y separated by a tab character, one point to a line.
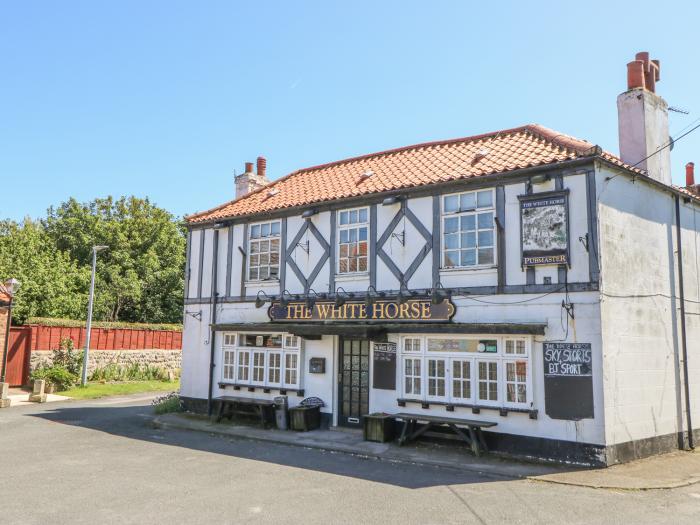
384	366
568	380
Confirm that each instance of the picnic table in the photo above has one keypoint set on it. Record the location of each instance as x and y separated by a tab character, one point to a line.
230	405
416	425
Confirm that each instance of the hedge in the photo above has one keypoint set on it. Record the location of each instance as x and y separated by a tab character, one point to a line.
72	323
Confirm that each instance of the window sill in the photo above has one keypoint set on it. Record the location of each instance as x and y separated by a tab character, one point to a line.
449	407
360	276
265	389
484	269
267	282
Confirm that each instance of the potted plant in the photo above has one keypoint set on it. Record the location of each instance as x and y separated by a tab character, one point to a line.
378	427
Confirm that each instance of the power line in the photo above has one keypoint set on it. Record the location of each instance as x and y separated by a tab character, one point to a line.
668	144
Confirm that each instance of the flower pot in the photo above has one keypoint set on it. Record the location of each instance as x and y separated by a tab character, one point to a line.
378	427
305	418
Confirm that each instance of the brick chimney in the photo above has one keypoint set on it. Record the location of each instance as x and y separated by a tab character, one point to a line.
690	178
251	181
643	120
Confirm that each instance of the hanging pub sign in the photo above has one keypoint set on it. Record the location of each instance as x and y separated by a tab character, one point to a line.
544	228
385	310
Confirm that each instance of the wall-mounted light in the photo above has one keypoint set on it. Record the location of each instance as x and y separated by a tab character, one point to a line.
540	179
309	213
439	293
311	300
340	300
219	225
260	301
392	199
371	298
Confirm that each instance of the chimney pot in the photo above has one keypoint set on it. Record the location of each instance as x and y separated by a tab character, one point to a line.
262	166
635	74
690	175
248	167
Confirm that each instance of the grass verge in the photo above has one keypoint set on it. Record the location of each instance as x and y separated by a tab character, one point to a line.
97	390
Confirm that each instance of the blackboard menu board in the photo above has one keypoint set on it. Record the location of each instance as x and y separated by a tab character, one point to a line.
384	366
568	380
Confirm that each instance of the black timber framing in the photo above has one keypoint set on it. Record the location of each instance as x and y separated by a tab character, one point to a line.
501	236
592	199
202	236
229	260
437	228
404	277
307	282
333	252
518	289
188	268
243	248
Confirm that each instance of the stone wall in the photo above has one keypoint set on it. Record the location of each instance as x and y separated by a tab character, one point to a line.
167	359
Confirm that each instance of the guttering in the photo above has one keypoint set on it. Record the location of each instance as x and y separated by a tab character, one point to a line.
684	342
212	335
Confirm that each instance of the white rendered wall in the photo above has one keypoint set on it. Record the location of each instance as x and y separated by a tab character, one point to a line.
640	309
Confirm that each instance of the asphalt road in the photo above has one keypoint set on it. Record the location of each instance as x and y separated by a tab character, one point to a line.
99	462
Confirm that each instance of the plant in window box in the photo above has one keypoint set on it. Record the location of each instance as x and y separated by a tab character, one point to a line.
378	427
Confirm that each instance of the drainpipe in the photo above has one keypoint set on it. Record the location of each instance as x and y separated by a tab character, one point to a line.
684	343
212	336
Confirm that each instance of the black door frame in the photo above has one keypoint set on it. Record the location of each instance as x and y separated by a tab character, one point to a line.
343	420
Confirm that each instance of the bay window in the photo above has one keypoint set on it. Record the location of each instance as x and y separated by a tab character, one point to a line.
468	370
266	360
468	230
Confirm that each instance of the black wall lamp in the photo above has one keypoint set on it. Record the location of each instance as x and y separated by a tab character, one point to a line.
340	300
309	213
259	301
405	294
392	199
369	298
311	301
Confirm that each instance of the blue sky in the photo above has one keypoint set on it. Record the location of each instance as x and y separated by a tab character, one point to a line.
166	99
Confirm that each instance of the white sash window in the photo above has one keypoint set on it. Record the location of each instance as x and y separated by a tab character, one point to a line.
468	230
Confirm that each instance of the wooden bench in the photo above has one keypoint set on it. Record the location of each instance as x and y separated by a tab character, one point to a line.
230	405
474	436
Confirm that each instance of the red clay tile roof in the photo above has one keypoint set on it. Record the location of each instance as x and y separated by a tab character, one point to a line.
418	165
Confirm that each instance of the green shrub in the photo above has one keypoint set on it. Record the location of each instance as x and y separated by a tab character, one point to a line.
131	372
66	356
58	376
168	403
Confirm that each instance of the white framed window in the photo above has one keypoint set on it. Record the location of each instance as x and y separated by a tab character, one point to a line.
516	381
353	241
487	381
264	251
472	370
268	360
243	364
412	377
468	230
411	344
437	377
461	379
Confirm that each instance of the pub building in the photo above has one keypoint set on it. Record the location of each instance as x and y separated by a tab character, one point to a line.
523	278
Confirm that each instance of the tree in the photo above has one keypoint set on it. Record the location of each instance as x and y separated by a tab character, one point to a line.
53	285
141	277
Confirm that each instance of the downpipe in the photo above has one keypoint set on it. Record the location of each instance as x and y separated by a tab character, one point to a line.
684	342
212	336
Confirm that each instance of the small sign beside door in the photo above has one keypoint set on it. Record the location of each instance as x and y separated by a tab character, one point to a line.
384	366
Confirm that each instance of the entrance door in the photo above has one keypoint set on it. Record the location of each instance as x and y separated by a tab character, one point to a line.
353	382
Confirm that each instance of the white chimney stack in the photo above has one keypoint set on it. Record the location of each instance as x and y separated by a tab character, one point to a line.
643	120
250	181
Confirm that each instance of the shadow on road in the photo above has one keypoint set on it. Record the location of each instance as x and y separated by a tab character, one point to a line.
134	422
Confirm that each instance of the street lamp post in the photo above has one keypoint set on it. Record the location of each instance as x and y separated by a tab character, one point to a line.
95	249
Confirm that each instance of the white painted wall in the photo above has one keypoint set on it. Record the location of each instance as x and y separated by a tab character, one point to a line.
640	308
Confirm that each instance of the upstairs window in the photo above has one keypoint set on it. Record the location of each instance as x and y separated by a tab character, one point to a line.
468	230
353	235
264	251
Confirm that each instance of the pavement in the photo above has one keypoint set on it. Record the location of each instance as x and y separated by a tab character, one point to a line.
677	469
101	461
20	397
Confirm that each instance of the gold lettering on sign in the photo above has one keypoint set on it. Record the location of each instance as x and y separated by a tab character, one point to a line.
426	314
411	310
415	310
324	309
